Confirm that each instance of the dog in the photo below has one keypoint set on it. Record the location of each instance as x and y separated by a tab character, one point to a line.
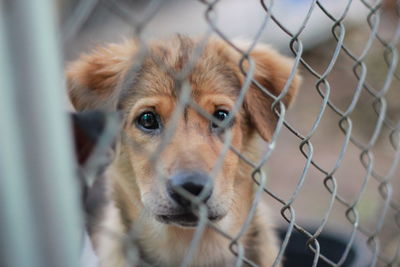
94	133
161	152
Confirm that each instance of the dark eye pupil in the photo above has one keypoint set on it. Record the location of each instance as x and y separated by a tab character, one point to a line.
148	120
220	115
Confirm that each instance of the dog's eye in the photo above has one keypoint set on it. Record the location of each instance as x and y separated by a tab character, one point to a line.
219	115
148	121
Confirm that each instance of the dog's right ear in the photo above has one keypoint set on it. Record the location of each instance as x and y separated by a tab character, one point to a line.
92	80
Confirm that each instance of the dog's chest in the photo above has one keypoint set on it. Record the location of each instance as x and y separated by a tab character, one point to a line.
160	250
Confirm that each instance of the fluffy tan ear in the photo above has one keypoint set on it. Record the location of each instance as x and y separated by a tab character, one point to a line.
92	80
272	70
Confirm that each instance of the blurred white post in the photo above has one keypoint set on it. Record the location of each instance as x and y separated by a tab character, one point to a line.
40	222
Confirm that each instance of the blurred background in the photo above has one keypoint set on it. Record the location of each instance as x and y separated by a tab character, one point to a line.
337	38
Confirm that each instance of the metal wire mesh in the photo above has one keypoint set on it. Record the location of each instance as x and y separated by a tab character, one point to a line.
383	99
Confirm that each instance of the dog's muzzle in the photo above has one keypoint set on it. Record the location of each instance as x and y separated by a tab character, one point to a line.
185	188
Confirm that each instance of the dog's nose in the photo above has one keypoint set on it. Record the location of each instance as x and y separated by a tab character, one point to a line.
193	182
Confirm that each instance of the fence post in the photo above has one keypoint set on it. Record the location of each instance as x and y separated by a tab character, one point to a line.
39	214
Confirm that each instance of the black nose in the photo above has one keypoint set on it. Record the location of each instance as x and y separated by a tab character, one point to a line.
193	182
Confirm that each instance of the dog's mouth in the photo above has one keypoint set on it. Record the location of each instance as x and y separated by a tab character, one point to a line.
185	219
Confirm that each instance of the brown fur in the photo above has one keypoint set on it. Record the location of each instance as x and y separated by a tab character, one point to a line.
110	78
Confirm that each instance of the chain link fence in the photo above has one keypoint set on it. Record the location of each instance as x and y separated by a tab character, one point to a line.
331	169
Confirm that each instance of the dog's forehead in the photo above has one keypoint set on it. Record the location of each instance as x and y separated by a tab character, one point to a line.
168	67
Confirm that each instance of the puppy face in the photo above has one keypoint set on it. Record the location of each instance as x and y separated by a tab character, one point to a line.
168	144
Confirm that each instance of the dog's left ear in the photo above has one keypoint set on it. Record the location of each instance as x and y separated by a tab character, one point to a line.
272	71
